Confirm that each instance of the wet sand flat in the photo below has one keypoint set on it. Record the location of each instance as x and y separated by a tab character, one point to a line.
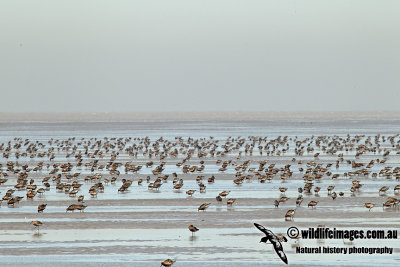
142	226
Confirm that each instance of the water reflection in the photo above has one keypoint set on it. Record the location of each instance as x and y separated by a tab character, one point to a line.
193	238
37	235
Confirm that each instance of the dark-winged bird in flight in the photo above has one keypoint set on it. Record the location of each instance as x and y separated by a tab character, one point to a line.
275	241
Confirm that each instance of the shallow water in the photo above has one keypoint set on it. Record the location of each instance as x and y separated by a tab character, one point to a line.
198	248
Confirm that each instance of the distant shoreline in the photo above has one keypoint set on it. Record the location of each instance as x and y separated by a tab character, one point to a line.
195	116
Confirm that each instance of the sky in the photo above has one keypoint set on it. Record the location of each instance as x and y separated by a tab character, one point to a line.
205	55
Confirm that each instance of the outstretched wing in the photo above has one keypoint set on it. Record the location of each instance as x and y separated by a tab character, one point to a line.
282	239
279	250
267	232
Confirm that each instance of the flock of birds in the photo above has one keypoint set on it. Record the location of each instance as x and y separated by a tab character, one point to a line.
65	165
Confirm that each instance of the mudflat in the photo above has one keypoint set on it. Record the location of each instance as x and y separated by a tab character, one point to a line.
144	225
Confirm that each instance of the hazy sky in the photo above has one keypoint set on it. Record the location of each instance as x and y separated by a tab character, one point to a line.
206	55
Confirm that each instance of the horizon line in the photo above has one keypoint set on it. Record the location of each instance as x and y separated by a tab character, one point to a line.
202	115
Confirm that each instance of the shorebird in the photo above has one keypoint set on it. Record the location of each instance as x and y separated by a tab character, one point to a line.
231	201
167	263
299	200
203	206
224	193
276	203
202	188
80	207
289	215
37	224
30	194
41	207
369	206
40	191
219	198
393	201
317	189
352	190
73	192
330	188
383	189
335	176
12	201
70	208
274	240
283	199
397	187
387	204
312	203
178	186
334	195
238	181
190	192
193	229
93	193
300	190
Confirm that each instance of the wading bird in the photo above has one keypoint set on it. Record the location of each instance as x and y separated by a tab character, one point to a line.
203	206
193	229
37	224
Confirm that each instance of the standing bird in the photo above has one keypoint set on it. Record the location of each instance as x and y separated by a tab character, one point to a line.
334	195
190	192
37	224
312	203
397	187
282	189
300	190
203	206
80	207
369	206
330	188
299	200
70	208
179	184
80	198
224	193
231	201
41	208
275	241
193	229
383	189
289	215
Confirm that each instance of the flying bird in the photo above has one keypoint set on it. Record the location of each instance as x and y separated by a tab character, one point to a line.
275	241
